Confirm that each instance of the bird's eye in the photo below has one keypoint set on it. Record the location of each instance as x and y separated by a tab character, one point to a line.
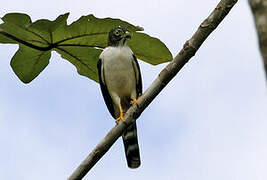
116	33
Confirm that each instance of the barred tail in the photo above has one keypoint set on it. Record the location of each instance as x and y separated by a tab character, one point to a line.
131	146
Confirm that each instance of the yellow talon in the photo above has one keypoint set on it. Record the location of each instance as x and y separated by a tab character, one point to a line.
120	118
121	115
133	101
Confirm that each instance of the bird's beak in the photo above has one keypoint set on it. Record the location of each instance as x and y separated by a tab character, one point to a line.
127	35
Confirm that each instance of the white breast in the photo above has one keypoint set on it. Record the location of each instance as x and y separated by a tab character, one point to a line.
118	71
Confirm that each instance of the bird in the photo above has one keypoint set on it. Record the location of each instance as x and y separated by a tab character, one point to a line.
121	85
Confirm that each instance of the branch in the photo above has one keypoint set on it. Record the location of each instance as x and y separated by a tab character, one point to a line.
188	51
259	10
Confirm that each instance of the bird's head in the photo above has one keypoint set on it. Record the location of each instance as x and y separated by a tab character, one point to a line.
118	36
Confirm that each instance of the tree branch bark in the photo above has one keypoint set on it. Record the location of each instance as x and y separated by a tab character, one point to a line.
188	51
259	10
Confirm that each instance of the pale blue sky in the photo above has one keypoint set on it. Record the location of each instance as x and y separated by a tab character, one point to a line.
208	123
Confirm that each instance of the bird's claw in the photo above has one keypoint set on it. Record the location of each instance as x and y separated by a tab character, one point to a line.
134	101
120	118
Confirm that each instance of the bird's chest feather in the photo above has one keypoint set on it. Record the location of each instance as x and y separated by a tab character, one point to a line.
118	69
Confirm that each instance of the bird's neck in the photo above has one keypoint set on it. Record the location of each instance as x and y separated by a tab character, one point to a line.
120	44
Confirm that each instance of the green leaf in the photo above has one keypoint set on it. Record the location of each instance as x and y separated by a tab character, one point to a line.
149	49
80	43
21	21
83	58
18	26
27	63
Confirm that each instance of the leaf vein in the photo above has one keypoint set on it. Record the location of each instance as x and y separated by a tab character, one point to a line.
79	36
75	57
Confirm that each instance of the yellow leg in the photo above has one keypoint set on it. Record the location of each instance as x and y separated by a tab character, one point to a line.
121	115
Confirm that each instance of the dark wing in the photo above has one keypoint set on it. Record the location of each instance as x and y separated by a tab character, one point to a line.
104	88
137	76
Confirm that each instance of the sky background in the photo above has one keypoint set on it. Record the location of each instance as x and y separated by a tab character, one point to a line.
208	123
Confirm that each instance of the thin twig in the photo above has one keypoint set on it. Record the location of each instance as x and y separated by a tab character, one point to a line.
189	50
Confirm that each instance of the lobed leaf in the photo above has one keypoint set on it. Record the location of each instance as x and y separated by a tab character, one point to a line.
28	63
80	43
